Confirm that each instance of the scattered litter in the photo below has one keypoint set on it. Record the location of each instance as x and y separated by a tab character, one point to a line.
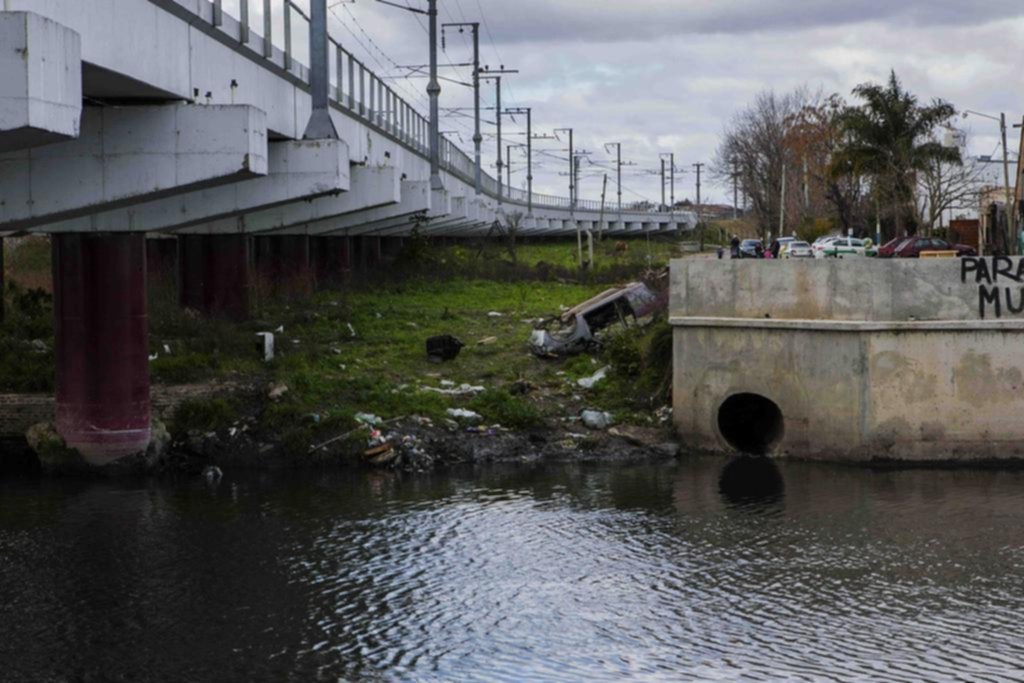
447	383
463	414
487	341
495	314
351	330
167	349
153	356
412	325
277	391
280	329
379	316
664	414
265	345
369	419
589	382
595	419
442	348
39	346
314	418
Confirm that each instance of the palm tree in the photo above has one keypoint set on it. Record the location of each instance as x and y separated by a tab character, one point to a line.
891	138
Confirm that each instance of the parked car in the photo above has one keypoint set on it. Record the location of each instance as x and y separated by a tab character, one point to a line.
911	247
751	249
798	249
784	243
846	246
821	243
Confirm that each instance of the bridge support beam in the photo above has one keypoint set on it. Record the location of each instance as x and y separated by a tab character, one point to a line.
42	98
102	344
214	275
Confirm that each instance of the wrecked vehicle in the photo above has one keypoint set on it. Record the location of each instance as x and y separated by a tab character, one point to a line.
574	331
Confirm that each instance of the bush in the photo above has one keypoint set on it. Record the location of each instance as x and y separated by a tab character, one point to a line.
203	415
501	407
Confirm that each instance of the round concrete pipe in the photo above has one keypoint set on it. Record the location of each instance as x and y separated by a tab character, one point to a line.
751	423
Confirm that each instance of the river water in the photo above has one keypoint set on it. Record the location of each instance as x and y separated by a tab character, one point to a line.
518	574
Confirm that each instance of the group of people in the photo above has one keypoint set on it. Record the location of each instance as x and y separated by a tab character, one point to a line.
760	252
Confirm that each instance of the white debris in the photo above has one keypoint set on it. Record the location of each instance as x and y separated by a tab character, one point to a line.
461	390
280	329
495	314
277	391
351	330
595	419
167	349
265	345
466	415
589	382
369	419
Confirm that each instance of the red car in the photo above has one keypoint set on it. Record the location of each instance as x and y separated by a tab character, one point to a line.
911	247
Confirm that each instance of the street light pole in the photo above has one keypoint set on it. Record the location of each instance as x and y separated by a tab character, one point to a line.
1011	218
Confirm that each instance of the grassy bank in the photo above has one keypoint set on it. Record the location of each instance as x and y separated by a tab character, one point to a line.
361	347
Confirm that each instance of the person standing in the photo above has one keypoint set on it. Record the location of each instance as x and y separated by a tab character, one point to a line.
734	246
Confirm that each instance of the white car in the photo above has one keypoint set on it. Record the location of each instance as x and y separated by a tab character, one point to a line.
842	246
822	243
798	249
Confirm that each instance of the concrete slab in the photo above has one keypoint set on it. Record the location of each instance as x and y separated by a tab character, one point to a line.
368	188
297	171
129	155
40	98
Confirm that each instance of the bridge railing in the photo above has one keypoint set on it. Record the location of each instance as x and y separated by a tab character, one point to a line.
283	26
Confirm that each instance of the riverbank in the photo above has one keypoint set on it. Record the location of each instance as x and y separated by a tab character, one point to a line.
350	382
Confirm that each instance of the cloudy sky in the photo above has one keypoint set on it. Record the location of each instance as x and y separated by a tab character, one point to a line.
666	75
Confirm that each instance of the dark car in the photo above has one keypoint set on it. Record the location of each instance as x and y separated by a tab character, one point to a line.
751	249
911	247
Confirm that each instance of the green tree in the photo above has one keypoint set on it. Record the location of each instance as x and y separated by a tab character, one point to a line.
891	137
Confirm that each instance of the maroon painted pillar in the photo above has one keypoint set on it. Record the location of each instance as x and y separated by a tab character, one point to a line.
213	275
391	248
368	251
3	281
329	256
102	344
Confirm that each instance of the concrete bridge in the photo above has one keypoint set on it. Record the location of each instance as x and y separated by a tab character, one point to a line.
202	121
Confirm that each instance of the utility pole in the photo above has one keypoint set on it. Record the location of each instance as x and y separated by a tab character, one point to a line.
1011	222
529	153
495	75
700	219
320	126
735	190
478	137
508	166
433	90
670	157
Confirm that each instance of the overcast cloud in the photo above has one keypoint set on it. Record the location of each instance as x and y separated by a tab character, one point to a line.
666	75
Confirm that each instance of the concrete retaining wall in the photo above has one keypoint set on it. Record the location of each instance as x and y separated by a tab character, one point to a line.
865	359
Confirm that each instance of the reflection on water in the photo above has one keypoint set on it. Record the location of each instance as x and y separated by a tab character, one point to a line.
703	570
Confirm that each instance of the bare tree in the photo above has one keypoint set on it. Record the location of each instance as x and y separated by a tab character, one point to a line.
754	147
943	185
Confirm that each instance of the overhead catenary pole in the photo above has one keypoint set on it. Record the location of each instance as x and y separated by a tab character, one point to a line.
434	91
672	182
495	74
528	111
662	210
478	137
320	126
